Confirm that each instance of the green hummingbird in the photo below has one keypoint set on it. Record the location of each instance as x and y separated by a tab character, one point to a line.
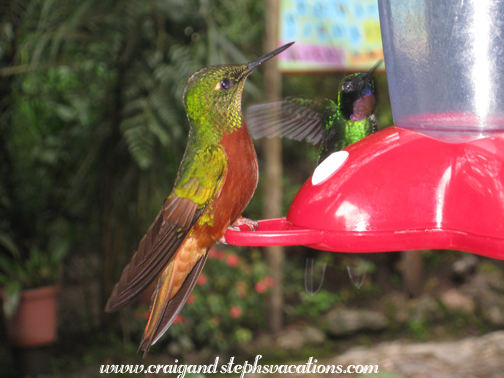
216	180
333	125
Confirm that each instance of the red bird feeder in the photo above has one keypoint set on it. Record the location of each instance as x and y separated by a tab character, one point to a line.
436	179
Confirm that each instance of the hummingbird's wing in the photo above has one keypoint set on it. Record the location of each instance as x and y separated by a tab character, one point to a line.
153	253
201	174
293	118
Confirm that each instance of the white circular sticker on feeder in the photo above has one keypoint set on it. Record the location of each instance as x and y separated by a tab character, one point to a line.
328	167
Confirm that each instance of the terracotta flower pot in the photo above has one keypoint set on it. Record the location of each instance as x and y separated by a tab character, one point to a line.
35	321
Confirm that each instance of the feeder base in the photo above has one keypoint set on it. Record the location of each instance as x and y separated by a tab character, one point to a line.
398	190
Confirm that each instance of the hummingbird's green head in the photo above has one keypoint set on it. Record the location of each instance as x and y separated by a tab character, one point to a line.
356	95
215	92
212	96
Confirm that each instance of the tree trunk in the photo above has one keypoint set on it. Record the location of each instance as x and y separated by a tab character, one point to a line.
273	173
412	268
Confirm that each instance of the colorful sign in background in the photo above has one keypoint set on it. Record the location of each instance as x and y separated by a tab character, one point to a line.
330	35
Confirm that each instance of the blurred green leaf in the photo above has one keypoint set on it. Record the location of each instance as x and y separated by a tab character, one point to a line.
11	297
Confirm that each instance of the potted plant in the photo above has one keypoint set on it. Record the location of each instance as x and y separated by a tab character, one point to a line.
30	291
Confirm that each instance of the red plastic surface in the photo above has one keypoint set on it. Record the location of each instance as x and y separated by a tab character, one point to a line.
399	190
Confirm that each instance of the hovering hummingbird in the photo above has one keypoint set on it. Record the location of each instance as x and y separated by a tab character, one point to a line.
335	126
215	181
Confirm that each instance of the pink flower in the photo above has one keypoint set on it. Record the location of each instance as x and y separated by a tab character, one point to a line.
202	279
190	299
269	281
260	287
232	260
180	319
235	311
212	254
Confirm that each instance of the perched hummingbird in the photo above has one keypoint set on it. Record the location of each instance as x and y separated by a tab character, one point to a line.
215	181
335	126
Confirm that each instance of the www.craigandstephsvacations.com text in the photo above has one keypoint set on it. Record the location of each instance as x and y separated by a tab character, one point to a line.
311	367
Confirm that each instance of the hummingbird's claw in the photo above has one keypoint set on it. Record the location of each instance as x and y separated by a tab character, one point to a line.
245	221
236	227
222	240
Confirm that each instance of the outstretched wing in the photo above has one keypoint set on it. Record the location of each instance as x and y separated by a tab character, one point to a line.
293	118
201	174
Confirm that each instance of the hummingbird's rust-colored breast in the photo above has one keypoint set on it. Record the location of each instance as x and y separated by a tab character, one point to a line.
238	187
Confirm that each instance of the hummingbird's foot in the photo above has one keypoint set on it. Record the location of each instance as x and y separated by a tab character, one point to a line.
236	227
249	222
222	240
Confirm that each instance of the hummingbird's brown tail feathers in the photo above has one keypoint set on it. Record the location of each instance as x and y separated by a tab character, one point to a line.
162	296
175	285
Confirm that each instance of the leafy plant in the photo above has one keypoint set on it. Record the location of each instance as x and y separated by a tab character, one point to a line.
17	273
314	306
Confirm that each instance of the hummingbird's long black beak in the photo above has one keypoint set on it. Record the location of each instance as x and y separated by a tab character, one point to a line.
257	62
369	75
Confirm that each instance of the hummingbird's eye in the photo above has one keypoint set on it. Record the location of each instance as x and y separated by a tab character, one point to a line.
347	86
225	84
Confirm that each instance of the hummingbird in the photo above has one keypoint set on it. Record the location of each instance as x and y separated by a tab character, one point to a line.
333	125
216	179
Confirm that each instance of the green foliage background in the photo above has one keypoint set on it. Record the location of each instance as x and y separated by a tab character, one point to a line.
92	126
